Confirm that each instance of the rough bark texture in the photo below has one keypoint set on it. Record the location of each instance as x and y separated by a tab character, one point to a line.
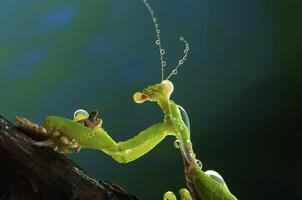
31	172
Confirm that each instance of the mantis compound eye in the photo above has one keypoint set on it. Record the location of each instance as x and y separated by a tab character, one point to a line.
169	87
80	114
216	176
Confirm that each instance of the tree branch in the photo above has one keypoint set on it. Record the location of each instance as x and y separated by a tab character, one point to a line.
35	173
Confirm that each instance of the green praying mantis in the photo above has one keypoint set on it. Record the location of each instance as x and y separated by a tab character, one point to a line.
85	131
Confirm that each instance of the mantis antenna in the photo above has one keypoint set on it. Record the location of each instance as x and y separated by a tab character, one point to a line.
158	41
159	44
182	60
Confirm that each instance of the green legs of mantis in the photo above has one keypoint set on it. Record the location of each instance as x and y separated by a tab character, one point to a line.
85	131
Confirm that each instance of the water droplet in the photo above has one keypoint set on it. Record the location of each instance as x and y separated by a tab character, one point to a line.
156	25
157	42
185	51
157	31
184	116
180	62
163	63
80	112
174	72
152	12
177	144
154	19
162	51
199	163
182	38
216	176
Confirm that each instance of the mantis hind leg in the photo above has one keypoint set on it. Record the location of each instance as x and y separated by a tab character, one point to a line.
184	195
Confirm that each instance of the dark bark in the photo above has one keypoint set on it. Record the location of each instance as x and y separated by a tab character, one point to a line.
31	172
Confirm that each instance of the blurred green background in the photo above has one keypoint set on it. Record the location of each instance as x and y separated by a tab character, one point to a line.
239	85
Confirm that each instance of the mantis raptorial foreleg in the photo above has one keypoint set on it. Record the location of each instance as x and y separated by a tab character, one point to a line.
122	152
139	145
70	137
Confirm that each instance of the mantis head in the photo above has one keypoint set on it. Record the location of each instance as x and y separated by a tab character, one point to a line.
157	92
